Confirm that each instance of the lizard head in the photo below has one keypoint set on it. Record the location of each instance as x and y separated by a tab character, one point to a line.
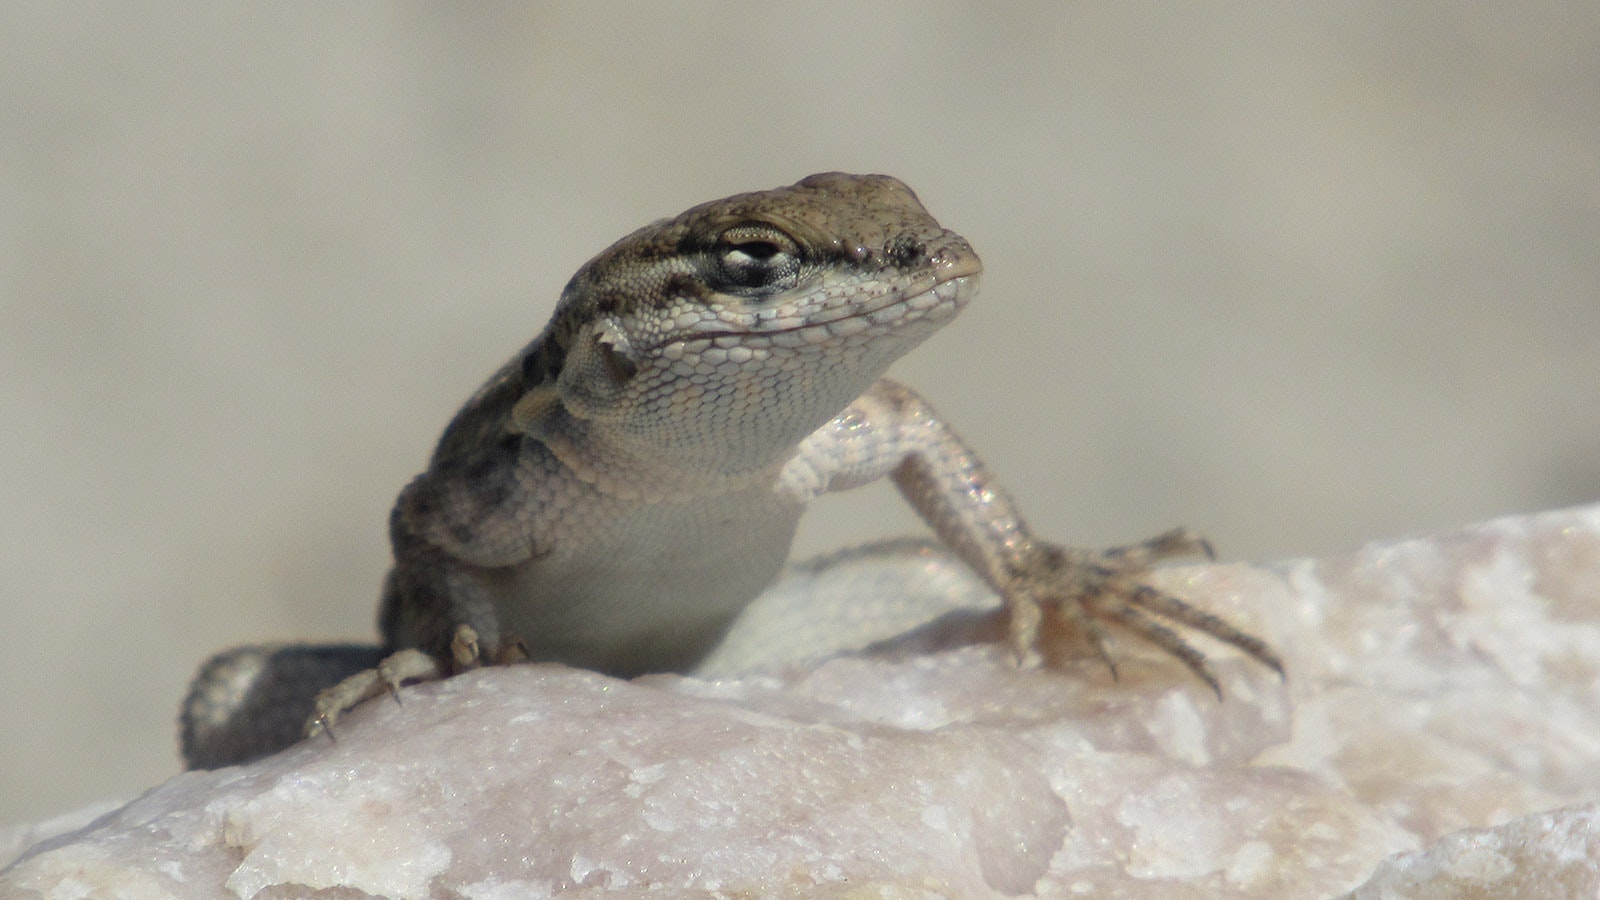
716	340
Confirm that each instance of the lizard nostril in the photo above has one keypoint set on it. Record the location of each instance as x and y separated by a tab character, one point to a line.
905	252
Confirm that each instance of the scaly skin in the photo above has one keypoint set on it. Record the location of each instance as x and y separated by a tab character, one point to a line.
623	487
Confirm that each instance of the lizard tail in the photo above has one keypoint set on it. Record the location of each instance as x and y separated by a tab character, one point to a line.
253	701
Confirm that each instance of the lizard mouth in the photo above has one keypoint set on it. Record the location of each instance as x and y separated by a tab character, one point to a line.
946	296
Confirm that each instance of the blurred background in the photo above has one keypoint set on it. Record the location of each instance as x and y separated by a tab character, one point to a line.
1296	275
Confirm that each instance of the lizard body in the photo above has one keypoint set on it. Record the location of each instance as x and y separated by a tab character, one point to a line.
620	490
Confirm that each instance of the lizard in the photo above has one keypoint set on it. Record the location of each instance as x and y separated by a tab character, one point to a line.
632	479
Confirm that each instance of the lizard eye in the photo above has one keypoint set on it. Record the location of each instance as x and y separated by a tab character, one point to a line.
758	257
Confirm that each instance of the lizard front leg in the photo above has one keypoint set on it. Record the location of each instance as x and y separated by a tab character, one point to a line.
452	528
1051	593
411	660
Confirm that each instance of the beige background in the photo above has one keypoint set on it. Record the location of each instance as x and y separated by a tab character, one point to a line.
1298	276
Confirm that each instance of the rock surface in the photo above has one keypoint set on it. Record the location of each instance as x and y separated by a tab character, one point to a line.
1442	704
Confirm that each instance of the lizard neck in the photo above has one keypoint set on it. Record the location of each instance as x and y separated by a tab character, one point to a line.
617	470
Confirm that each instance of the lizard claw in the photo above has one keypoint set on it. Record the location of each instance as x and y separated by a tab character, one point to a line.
395	670
465	649
1059	593
1172	544
513	650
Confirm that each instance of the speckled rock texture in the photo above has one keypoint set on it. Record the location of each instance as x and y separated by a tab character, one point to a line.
1438	736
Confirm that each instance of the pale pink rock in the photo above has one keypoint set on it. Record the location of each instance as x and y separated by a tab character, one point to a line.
1443	702
1548	854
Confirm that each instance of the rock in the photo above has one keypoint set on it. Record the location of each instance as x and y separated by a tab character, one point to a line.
1550	854
1435	685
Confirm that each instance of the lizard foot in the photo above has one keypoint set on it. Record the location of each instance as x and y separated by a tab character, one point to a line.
1060	592
395	670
